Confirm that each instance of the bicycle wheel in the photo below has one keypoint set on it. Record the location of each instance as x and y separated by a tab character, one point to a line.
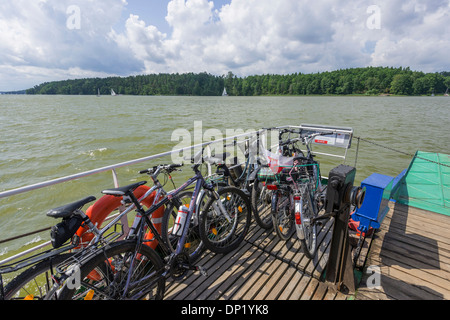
219	234
193	245
309	241
35	282
104	276
261	199
283	216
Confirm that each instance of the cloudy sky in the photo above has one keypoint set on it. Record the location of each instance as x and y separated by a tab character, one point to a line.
46	40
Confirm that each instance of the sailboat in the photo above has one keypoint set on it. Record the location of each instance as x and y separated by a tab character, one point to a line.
98	92
224	93
446	93
113	93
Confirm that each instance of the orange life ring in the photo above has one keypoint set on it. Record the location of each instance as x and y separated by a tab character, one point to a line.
98	212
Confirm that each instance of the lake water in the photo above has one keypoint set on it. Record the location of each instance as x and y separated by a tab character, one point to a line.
47	137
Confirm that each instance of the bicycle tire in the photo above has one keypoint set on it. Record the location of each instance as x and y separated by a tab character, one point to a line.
309	242
193	246
27	285
283	216
261	205
219	235
109	278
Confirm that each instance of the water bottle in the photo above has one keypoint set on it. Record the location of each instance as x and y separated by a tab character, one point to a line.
180	221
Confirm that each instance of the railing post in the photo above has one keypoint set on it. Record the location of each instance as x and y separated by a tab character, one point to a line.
124	219
115	179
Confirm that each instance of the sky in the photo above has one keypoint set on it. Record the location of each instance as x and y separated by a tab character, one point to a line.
49	40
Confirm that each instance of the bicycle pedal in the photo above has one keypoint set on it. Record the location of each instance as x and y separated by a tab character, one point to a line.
202	270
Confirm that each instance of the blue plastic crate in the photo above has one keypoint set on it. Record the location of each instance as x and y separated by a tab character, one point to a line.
375	205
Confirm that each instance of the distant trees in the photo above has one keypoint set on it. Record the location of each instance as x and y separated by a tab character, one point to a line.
369	81
153	84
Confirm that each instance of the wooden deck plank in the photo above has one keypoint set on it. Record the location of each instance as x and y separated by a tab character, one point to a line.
293	285
310	288
412	251
264	267
276	291
252	286
243	274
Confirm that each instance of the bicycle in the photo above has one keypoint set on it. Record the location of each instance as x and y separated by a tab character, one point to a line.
80	228
307	195
298	194
242	176
129	269
261	195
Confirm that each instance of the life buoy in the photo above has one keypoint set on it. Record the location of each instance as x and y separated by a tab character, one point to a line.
98	212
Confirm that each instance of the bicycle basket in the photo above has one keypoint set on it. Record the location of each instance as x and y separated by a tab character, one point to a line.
303	173
284	176
64	230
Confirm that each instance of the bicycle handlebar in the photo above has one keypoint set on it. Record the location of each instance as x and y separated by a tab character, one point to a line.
289	141
157	169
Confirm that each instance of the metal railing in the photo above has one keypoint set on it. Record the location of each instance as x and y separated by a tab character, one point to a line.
112	168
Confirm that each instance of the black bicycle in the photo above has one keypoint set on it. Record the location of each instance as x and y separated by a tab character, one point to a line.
39	276
130	269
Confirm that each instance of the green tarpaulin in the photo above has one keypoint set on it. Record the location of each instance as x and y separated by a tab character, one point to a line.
426	184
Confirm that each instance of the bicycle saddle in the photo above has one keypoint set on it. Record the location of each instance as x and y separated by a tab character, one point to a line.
68	209
121	191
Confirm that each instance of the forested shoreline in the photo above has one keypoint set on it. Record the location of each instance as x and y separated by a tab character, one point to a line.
360	81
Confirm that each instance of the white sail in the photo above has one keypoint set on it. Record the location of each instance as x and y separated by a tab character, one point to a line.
224	93
113	93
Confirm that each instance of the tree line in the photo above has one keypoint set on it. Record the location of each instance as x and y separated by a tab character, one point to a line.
369	81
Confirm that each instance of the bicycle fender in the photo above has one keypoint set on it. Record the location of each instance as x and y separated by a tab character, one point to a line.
274	202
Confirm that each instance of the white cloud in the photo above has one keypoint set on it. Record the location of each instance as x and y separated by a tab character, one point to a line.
244	36
413	34
34	35
284	36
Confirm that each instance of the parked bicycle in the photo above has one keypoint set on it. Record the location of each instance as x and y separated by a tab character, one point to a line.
261	194
308	196
242	176
129	269
83	230
298	194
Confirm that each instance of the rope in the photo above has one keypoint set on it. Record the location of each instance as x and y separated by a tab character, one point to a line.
399	151
24	235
